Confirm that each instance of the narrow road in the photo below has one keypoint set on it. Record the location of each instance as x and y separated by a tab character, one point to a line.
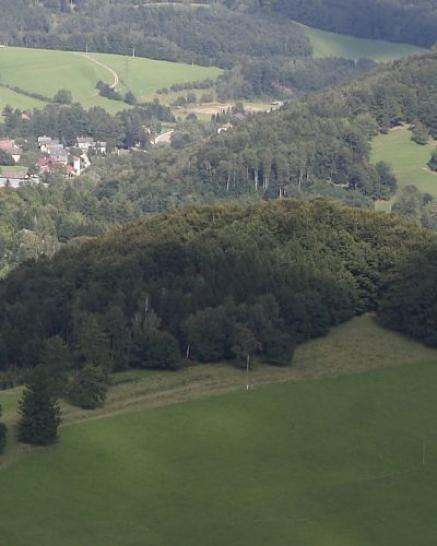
164	138
116	79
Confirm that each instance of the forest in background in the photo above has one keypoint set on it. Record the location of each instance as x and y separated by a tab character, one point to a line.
317	146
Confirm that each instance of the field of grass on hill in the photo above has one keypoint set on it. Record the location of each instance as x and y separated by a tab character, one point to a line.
46	71
329	462
331	44
408	159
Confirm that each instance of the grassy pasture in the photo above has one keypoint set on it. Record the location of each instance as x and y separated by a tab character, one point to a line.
46	71
329	462
407	159
331	44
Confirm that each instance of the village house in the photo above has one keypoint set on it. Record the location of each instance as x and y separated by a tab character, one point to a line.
10	147
87	143
45	141
224	128
58	164
13	179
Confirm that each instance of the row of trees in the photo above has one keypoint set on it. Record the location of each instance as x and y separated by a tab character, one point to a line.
124	129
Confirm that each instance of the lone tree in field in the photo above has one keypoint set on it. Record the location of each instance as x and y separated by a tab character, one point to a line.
3	430
40	412
432	163
420	134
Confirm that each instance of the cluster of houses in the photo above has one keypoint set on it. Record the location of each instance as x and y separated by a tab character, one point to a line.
54	158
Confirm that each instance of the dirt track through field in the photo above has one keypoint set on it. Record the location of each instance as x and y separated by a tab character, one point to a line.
115	76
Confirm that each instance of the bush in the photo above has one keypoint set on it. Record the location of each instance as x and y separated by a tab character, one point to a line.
432	163
89	388
159	350
6	159
63	96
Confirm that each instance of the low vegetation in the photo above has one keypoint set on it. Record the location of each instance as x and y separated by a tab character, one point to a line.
407	159
279	450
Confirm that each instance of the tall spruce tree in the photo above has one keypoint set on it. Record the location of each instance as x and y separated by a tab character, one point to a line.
40	412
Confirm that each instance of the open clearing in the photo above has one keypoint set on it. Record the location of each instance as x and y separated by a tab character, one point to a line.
46	71
407	159
331	44
329	462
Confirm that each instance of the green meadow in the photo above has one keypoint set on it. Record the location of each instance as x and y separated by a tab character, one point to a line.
46	71
408	159
320	458
331	44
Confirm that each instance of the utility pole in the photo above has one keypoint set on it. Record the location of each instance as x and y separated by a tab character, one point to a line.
133	52
247	372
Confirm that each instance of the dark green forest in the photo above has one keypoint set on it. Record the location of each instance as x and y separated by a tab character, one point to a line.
409	304
207	283
411	21
216	34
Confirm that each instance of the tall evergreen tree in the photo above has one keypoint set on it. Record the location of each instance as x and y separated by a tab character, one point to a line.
39	411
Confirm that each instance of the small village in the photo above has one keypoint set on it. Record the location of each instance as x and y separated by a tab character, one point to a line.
54	159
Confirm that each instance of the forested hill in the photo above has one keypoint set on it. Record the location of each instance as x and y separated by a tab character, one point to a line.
411	21
320	145
213	282
204	35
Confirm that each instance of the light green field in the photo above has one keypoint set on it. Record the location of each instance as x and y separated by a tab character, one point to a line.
328	462
145	76
46	71
407	159
331	44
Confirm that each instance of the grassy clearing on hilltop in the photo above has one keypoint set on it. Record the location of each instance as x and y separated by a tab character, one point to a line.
320	463
331	44
408	159
46	71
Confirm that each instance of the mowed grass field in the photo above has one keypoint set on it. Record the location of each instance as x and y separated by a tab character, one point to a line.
46	71
408	159
331	44
325	462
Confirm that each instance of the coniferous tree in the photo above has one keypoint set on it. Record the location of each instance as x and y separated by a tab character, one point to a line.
89	388
39	411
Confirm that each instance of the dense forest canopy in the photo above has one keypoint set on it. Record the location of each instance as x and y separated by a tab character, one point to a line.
212	282
411	21
216	34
